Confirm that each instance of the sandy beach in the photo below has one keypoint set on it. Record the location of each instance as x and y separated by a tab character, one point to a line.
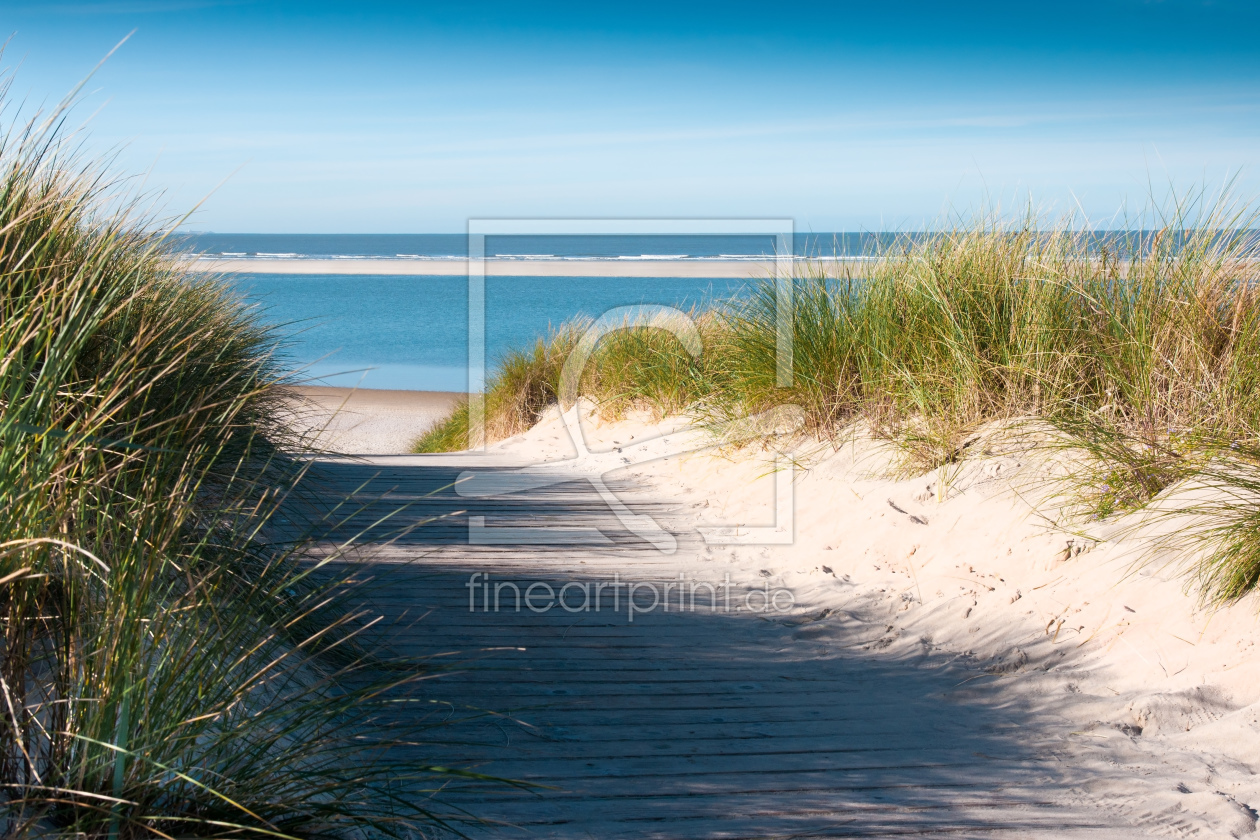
1150	697
365	421
498	268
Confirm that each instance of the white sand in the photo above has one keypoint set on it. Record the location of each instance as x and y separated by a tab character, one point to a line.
1158	696
497	268
1153	699
369	422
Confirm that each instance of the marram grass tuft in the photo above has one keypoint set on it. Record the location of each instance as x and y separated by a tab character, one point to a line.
1142	346
170	666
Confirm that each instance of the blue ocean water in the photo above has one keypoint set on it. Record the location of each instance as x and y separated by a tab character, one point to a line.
411	332
406	332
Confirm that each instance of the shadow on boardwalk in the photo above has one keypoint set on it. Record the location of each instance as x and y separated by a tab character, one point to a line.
699	723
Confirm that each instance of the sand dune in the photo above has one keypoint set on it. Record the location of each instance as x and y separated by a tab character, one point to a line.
1148	697
1160	693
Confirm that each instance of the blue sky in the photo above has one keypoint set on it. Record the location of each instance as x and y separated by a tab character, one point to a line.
313	117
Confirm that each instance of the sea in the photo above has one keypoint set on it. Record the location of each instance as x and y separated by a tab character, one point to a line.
411	332
412	246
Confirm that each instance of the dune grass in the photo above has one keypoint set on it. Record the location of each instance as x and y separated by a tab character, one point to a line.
170	666
635	368
1142	347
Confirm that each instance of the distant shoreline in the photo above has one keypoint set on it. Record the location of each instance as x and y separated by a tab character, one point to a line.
458	267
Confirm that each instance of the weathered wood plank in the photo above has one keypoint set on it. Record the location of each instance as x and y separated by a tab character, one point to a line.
683	725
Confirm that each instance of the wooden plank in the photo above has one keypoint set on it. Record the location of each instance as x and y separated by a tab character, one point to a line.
692	724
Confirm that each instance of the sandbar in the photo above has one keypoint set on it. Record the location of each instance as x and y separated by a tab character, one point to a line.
496	268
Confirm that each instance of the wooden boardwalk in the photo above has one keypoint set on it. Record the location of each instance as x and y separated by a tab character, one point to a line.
693	724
